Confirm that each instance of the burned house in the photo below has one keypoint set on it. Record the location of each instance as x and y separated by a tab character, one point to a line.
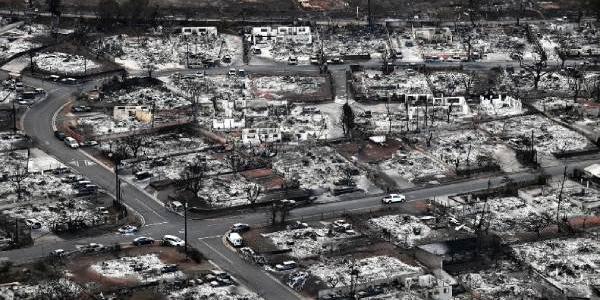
282	34
433	34
211	31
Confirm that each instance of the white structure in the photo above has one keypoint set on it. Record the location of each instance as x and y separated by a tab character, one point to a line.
501	105
433	34
228	124
283	34
257	136
141	113
458	106
199	31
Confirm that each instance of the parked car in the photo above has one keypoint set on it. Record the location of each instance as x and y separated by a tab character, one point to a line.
286	265
57	253
173	241
297	225
81	108
61	170
71	142
235	239
143	175
292	60
142	240
60	135
335	61
240	227
128	229
393	198
91	247
89	143
174	206
247	251
33	223
169	269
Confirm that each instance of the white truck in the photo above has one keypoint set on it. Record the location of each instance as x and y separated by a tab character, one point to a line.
393	198
235	239
174	206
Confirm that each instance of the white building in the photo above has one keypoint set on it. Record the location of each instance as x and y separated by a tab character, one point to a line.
212	31
457	105
141	113
500	105
433	34
257	136
228	124
282	34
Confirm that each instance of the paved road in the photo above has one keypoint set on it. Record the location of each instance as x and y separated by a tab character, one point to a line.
204	234
37	123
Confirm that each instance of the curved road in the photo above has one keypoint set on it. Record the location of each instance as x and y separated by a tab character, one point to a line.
204	234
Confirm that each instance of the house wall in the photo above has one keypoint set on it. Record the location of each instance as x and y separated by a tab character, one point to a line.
431	261
199	31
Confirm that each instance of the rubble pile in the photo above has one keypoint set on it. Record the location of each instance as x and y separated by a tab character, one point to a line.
64	63
577	274
406	230
369	269
144	268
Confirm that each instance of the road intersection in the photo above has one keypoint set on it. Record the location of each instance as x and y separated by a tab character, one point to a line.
205	233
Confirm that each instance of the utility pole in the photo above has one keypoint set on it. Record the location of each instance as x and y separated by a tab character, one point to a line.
185	228
153	113
117	183
14	115
370	17
560	198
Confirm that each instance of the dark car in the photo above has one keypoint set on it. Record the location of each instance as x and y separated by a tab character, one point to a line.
80	108
61	170
169	269
143	240
240	227
143	175
89	143
60	135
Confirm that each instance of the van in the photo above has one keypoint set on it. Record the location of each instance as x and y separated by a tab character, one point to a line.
235	239
71	142
175	206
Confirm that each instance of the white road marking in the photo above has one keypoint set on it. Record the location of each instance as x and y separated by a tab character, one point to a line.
82	163
154	224
216	251
209	237
56	113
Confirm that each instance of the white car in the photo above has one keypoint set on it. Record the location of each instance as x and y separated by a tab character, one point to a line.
33	223
171	240
57	253
393	198
128	229
71	142
286	265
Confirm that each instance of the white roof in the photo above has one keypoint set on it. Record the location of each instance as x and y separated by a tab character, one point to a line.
594	170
